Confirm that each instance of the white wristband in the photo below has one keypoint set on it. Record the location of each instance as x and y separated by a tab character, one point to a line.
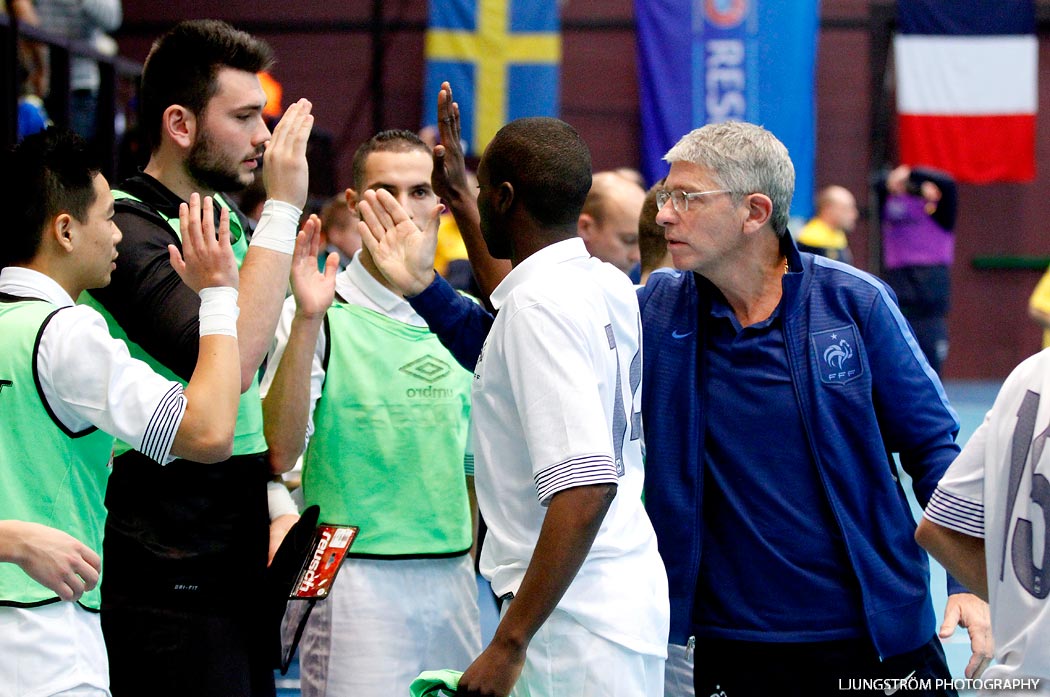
279	500
277	227
219	311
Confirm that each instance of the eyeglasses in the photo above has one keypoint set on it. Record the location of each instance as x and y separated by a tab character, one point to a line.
680	199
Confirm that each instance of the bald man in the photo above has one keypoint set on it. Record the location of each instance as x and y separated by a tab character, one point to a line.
608	224
826	234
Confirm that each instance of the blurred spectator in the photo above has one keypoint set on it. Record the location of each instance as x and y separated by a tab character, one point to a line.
827	233
32	72
917	208
632	174
450	257
1039	306
339	227
86	21
608	224
32	54
652	245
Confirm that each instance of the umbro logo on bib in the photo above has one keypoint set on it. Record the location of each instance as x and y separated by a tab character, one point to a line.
427	368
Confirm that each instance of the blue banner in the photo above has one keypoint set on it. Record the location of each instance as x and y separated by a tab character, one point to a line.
706	61
969	18
502	58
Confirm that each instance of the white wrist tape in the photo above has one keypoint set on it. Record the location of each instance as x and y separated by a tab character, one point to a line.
219	311
277	227
279	500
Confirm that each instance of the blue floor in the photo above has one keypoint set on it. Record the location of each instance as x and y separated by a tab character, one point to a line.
970	399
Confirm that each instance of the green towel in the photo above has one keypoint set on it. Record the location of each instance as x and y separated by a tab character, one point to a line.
435	683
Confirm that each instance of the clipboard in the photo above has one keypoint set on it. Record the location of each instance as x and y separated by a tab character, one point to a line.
301	575
313	584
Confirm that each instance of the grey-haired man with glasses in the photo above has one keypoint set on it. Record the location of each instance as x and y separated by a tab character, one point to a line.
775	382
777	387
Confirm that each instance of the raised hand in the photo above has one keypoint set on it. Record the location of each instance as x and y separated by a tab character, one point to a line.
51	557
206	259
450	171
450	182
313	289
286	175
402	251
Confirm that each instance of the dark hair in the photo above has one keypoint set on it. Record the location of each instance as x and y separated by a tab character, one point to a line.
548	164
393	140
183	63
652	245
52	172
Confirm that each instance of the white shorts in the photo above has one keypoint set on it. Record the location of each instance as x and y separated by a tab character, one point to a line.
565	658
385	622
51	650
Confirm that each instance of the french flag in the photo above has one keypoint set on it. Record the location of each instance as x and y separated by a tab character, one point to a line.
966	87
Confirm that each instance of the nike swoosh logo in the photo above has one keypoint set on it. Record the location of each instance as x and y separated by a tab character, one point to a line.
894	690
678	335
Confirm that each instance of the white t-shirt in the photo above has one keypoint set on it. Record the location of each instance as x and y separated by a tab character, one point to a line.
89	379
997	491
556	405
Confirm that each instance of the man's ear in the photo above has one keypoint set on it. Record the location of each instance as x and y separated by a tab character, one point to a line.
180	125
504	197
351	201
60	231
586	226
759	211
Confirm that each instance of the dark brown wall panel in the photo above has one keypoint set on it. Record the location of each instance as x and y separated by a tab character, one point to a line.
324	52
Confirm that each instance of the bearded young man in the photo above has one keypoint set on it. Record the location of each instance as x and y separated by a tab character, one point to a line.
187	545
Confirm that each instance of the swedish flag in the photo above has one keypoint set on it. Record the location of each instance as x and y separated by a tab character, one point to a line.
501	57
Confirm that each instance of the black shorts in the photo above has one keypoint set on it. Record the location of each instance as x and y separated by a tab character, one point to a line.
176	653
760	669
922	291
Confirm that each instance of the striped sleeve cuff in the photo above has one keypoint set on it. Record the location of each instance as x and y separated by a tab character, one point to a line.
576	471
162	426
956	513
468	464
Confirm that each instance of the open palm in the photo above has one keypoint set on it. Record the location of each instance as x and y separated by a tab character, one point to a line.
313	289
402	251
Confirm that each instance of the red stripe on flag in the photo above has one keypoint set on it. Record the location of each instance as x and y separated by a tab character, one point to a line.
974	149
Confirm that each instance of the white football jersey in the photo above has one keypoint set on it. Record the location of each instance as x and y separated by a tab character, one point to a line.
999	489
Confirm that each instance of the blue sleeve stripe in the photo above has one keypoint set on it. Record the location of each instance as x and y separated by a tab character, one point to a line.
902	326
576	471
468	465
956	513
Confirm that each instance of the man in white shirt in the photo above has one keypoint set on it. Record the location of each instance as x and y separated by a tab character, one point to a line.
988	523
556	434
68	388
